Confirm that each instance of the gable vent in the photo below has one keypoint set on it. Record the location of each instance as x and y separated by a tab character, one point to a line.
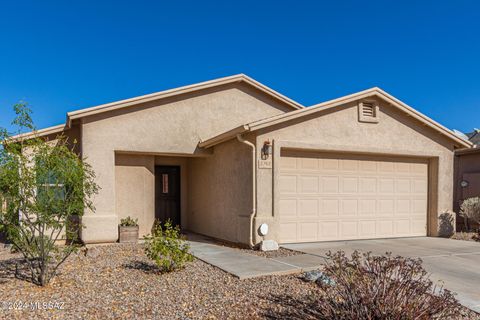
368	111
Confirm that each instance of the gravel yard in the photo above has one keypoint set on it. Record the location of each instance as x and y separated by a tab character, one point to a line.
466	236
117	281
281	252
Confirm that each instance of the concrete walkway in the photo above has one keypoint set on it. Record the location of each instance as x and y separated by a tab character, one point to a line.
244	265
453	262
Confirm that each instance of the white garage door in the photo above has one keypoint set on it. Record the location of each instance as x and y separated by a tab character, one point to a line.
327	197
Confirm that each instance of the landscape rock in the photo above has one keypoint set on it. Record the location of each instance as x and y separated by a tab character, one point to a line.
268	245
312	276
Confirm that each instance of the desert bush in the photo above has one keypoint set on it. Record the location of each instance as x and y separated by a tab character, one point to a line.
128	222
470	209
167	247
381	287
45	187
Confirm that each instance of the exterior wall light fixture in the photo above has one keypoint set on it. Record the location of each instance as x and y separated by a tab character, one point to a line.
266	150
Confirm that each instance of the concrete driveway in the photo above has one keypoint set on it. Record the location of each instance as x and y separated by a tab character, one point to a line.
455	262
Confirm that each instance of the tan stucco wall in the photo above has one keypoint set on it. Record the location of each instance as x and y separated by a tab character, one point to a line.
72	135
340	131
220	192
135	187
172	126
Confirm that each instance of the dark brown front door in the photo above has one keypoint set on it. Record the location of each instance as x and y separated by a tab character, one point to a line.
167	194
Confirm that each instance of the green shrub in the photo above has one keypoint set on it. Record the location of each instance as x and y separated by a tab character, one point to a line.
44	187
167	247
128	222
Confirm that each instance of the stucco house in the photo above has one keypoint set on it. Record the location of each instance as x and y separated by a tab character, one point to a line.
223	157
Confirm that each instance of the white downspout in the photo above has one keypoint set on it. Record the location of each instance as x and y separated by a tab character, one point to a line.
254	186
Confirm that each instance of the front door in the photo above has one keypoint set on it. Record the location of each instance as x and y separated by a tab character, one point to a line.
167	194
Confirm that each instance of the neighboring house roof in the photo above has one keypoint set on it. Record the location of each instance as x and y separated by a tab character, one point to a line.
474	136
253	126
165	94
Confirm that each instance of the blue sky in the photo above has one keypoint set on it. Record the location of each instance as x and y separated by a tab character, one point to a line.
67	55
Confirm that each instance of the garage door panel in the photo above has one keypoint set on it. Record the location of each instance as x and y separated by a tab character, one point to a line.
308	184
384	228
349	184
386	167
368	185
368	166
330	207
367	206
338	198
308	164
419	186
349	165
328	230
288	230
367	228
308	231
288	184
349	229
288	208
402	207
402	227
329	184
402	185
385	207
349	207
330	164
308	208
417	225
288	163
386	185
419	206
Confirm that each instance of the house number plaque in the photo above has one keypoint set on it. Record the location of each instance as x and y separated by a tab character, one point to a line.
265	164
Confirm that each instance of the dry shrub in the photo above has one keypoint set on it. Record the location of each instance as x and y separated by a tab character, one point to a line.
470	210
367	287
382	287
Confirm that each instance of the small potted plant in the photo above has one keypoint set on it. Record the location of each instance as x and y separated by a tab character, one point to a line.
128	230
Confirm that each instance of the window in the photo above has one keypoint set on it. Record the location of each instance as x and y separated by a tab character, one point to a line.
48	185
368	111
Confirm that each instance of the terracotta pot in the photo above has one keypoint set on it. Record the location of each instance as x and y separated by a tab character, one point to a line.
128	234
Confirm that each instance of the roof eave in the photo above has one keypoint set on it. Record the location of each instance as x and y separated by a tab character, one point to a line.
375	91
181	90
39	133
228	135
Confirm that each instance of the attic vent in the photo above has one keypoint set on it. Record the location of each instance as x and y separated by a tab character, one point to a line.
368	111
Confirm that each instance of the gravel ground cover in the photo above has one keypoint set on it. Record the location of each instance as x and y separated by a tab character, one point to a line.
118	281
466	236
281	252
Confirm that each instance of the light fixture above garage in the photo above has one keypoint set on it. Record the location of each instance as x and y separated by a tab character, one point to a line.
266	150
